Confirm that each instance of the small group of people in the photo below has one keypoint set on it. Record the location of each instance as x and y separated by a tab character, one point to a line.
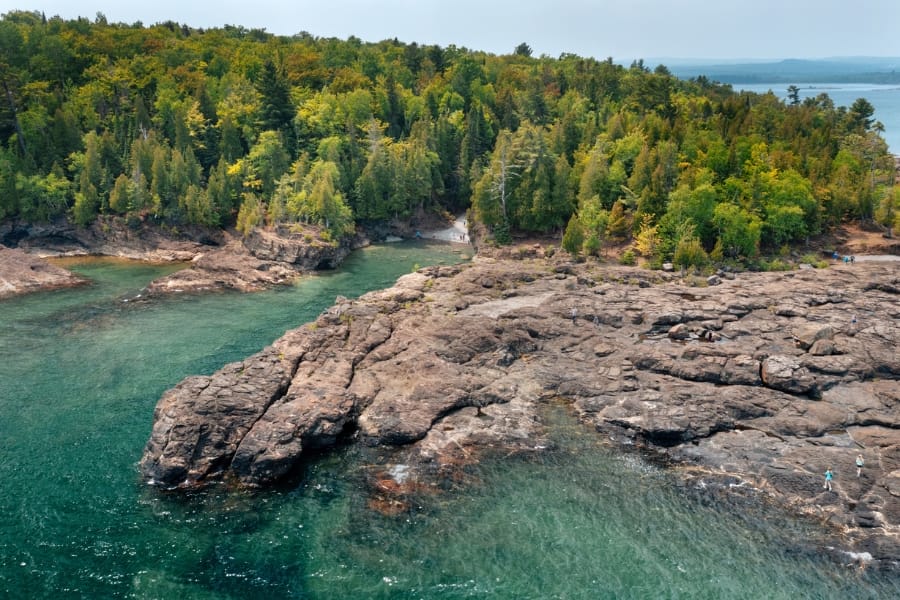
847	258
829	474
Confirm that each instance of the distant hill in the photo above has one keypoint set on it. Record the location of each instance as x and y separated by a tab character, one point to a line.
828	70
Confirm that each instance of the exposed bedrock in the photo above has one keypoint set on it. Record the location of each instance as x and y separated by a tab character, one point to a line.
21	273
264	258
767	378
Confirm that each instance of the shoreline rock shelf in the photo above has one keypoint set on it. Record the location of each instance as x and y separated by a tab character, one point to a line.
768	379
21	273
214	259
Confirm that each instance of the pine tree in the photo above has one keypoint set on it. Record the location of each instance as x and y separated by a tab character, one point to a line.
276	110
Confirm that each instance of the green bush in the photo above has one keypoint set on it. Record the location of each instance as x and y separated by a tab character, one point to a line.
628	258
776	264
690	253
502	234
815	261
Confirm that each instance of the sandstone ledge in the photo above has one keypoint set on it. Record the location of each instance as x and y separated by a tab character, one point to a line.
763	379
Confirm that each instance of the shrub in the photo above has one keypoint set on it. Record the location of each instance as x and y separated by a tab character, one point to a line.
502	234
573	238
776	264
690	253
696	281
815	261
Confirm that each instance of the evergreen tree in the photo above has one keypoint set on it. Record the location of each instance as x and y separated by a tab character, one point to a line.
155	123
276	109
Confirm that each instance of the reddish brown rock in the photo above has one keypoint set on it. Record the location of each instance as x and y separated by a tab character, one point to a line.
21	273
447	368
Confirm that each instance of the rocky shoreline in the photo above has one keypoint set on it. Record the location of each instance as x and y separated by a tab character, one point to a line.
22	273
762	381
215	259
261	260
758	383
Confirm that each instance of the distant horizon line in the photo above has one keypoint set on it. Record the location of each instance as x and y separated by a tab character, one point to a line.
752	60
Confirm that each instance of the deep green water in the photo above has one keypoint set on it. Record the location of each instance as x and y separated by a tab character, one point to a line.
81	371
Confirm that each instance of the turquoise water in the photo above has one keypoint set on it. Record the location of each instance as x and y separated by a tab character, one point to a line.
885	99
81	371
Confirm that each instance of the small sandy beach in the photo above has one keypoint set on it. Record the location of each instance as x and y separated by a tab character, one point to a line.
455	234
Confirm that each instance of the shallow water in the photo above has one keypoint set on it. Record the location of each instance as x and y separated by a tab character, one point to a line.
81	371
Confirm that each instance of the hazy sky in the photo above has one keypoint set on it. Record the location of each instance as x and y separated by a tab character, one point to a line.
623	29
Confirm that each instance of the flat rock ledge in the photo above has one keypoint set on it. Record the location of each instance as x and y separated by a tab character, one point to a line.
764	379
22	273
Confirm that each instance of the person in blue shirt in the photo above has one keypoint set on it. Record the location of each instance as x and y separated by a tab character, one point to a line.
828	477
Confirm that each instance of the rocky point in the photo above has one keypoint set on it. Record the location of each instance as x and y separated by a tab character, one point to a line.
761	382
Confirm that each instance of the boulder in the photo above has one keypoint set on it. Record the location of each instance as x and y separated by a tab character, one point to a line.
785	374
680	332
807	334
822	348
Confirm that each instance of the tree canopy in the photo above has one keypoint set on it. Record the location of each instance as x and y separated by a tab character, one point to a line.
237	127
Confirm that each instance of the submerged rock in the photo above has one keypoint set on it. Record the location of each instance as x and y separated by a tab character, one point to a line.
446	367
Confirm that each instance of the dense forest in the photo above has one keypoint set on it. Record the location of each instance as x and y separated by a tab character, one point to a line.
239	128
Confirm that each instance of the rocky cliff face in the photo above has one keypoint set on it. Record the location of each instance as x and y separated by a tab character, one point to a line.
763	381
302	250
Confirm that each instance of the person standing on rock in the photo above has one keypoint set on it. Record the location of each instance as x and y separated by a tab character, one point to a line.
859	464
828	477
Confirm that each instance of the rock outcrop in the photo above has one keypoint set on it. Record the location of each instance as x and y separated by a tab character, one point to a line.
21	273
765	378
227	267
216	259
302	250
263	259
111	236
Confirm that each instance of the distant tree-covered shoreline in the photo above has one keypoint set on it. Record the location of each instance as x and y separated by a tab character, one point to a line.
236	127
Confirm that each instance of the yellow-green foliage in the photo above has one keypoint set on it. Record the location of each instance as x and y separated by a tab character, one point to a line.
690	253
226	126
